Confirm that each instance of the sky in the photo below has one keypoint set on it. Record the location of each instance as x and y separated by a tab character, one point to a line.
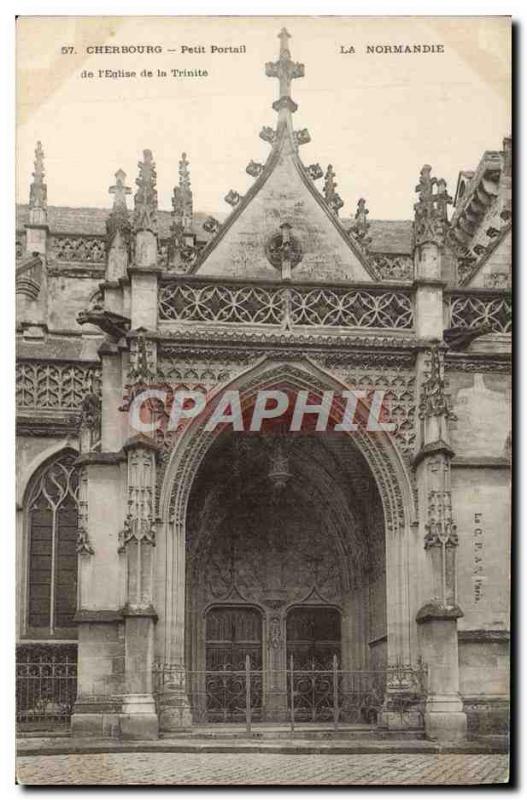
377	118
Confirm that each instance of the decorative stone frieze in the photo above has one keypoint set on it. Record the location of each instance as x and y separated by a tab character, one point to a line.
66	248
60	386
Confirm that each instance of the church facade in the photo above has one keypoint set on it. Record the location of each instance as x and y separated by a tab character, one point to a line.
189	576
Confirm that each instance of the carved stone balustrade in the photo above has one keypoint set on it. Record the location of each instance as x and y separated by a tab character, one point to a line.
477	308
274	304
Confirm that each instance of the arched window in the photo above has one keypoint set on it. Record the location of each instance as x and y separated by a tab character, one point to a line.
52	569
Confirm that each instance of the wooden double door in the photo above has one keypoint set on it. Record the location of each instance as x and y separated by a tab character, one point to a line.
235	632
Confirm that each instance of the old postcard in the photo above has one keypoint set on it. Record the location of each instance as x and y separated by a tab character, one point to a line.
263	287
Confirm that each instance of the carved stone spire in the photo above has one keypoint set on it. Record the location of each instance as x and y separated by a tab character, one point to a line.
145	214
183	248
182	197
285	70
333	199
38	191
431	218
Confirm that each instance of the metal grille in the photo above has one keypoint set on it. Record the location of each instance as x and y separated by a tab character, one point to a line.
335	696
46	685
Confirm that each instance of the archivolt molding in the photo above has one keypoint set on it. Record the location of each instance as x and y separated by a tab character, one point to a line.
385	461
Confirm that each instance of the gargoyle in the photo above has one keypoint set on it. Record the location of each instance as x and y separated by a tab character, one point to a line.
113	324
459	338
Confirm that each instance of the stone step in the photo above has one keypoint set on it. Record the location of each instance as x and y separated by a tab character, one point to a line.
68	745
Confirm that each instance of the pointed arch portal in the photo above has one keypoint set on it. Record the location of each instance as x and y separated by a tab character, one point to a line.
304	532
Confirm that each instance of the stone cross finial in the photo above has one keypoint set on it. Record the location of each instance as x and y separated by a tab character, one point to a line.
119	190
118	220
145	214
285	70
38	192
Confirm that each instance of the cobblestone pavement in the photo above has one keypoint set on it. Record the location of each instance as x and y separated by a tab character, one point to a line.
261	768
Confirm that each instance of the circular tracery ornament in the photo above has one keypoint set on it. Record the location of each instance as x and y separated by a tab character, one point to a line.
283	246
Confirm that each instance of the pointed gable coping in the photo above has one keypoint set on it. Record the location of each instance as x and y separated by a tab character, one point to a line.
471	281
284	136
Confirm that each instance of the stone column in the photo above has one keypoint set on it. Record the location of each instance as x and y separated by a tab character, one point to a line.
437	617
100	599
174	707
137	540
435	566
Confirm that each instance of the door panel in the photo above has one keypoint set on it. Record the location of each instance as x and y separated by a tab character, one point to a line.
313	637
232	634
313	640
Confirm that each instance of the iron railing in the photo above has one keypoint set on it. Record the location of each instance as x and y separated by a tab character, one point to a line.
46	685
299	695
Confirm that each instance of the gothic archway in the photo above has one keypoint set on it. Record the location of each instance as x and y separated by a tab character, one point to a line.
384	462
